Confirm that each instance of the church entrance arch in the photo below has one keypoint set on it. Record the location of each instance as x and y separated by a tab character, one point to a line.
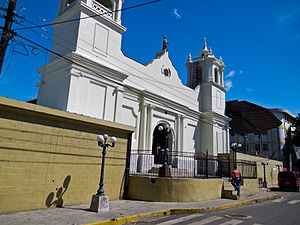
162	143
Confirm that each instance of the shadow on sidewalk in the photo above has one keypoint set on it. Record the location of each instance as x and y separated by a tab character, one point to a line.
81	209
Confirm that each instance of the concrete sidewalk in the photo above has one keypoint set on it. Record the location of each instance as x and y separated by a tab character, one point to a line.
123	211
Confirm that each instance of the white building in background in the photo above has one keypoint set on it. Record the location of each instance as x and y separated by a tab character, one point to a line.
100	81
272	141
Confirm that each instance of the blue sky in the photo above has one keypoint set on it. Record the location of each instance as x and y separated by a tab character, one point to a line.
259	42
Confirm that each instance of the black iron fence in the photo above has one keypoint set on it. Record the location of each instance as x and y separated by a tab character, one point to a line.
188	165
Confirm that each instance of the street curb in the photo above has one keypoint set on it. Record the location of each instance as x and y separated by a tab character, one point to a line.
144	216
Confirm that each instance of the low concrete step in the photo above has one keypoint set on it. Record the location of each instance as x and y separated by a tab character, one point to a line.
233	195
230	192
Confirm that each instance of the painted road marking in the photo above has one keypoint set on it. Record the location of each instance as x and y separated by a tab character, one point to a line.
294	202
207	220
181	219
232	222
278	200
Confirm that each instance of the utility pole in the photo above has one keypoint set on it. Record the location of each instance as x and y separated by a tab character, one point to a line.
7	30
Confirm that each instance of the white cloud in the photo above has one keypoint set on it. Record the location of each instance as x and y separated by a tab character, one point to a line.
228	84
290	16
241	71
285	18
248	89
231	74
177	14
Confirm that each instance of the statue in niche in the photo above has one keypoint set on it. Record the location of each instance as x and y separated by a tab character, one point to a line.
165	43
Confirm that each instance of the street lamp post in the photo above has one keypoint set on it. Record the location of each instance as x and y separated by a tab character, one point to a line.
235	147
100	200
264	163
292	129
278	166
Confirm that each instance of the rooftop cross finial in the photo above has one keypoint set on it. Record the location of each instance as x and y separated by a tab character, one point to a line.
165	43
190	57
205	45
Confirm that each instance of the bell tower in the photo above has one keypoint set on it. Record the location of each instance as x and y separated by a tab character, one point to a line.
112	8
88	33
206	71
205	68
205	76
88	27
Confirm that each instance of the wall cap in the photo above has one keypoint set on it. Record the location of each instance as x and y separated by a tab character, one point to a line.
16	105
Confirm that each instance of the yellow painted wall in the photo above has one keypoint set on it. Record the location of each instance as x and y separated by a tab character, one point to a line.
271	168
250	186
48	157
173	189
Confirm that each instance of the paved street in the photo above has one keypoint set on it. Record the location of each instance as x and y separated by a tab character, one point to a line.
122	210
280	211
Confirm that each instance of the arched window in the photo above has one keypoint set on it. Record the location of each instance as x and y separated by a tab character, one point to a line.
107	3
216	75
200	75
221	81
69	2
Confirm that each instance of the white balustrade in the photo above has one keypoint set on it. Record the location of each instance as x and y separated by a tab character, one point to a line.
102	10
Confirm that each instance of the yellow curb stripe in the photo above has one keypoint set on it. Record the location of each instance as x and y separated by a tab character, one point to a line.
144	216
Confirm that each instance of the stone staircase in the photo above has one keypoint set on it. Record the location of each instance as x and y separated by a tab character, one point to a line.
229	192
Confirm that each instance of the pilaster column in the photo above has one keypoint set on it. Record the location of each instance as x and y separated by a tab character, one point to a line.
118	105
227	139
181	133
150	138
118	13
114	9
144	127
178	132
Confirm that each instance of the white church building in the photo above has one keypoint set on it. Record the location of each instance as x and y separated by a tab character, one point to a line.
96	79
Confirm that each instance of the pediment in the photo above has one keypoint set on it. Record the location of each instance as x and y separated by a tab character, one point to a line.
162	68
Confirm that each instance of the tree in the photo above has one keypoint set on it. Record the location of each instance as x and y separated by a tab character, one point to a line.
289	150
296	132
296	137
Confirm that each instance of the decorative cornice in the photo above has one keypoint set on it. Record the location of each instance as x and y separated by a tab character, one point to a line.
214	84
113	73
89	10
158	101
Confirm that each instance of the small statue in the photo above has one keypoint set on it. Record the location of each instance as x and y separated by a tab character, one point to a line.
165	43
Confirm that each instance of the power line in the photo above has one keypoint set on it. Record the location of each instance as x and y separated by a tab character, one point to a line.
65	58
149	79
31	46
44	29
143	78
34	31
108	79
83	18
105	77
71	61
24	9
174	87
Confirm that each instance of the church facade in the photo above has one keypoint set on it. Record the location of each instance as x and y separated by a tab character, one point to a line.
88	74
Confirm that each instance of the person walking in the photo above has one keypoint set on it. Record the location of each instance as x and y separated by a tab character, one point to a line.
236	179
